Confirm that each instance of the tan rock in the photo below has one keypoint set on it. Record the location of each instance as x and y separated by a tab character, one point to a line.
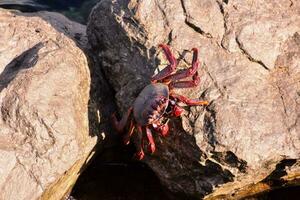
260	28
44	93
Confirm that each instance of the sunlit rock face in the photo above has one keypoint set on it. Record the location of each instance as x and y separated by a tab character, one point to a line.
250	73
44	93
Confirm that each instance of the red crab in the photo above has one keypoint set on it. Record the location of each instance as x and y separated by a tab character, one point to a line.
157	102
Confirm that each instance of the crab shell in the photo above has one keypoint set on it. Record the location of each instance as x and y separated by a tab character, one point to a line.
143	110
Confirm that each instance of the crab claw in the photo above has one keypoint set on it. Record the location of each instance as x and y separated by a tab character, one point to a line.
177	111
164	130
126	140
151	146
139	155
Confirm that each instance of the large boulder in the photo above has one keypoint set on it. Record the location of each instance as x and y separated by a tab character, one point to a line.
44	93
248	139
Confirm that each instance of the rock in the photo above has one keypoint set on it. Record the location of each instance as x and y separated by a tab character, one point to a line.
62	24
249	74
246	22
44	93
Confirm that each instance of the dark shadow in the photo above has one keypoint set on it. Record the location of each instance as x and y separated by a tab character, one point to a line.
24	61
280	189
230	159
274	179
284	193
113	175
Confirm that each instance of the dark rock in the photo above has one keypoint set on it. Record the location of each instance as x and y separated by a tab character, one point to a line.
249	54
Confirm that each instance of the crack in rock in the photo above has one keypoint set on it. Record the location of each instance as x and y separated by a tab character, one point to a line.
162	12
247	54
230	159
191	25
282	99
225	16
30	173
209	128
216	84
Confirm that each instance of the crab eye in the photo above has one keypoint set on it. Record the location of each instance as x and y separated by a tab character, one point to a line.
172	102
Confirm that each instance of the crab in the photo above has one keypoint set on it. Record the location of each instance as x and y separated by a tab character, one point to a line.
157	102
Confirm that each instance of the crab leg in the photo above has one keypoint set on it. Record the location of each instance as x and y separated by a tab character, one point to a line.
120	125
187	101
140	153
170	68
151	140
186	84
187	72
126	138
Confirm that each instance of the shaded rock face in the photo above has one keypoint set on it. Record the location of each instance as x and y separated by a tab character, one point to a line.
44	92
249	55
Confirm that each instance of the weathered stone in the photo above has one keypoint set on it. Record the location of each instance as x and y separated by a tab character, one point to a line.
62	24
259	28
250	76
44	93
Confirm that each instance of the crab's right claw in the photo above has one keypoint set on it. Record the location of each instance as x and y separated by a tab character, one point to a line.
139	155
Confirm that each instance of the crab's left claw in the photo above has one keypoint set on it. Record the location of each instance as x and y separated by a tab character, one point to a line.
164	129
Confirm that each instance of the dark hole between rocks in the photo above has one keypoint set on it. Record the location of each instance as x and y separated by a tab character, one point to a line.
114	175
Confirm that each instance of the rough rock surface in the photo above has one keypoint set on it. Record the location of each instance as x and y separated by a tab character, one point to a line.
73	30
44	92
249	54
